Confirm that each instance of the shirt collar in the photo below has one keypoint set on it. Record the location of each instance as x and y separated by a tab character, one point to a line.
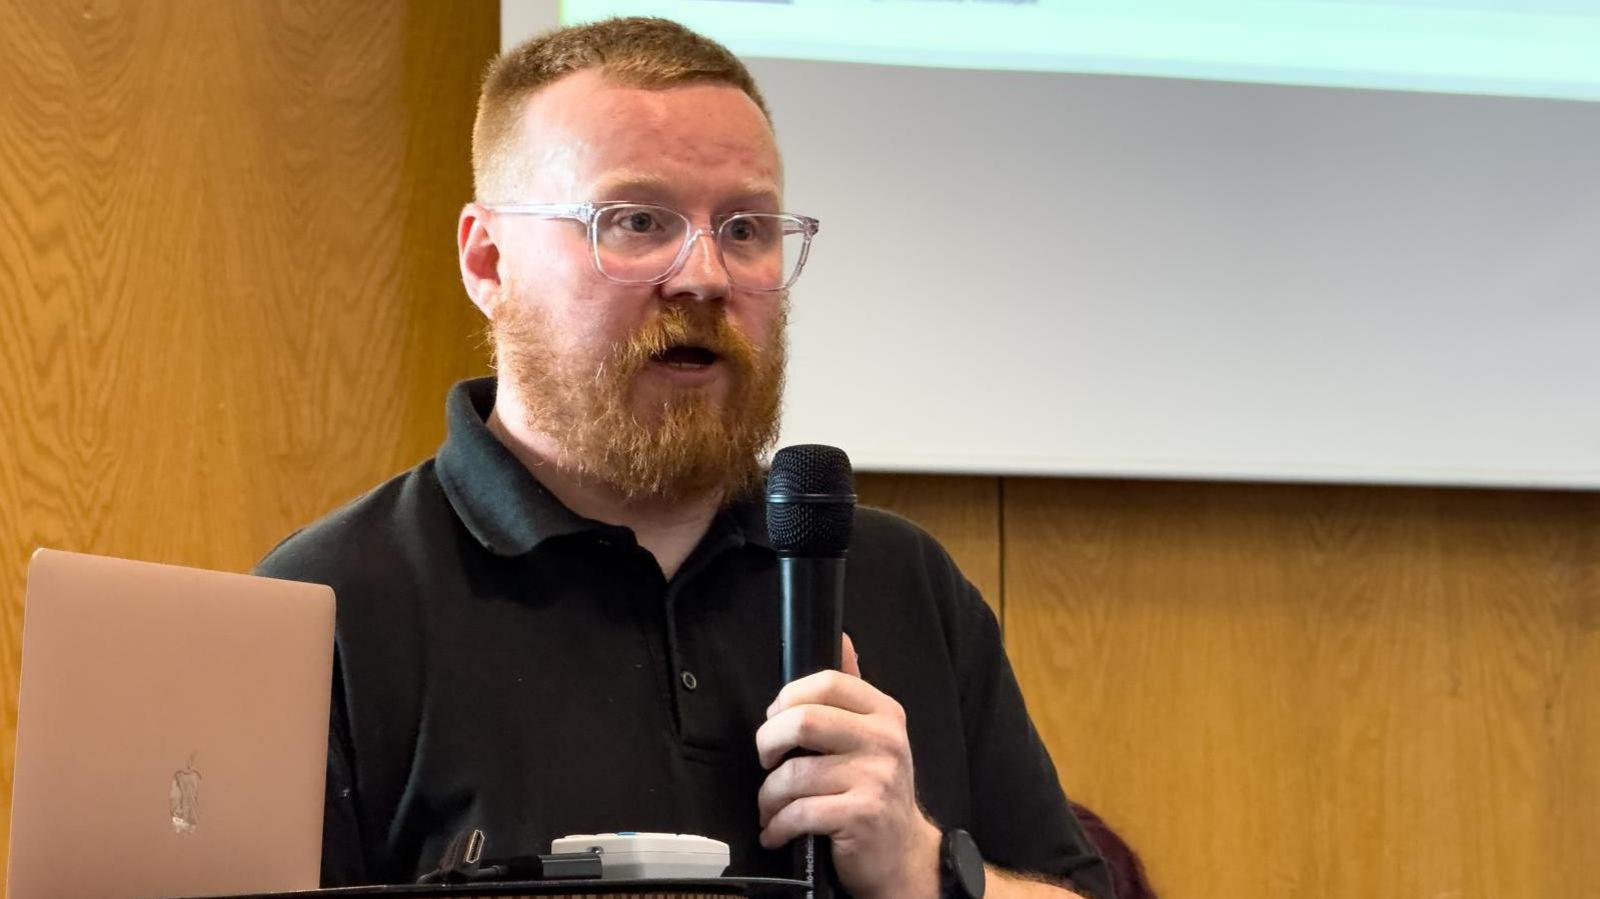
506	508
748	518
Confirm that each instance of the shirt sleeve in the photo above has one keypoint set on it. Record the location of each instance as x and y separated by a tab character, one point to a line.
343	861
343	858
1024	822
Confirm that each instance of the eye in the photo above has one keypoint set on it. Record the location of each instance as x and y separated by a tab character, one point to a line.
750	228
638	221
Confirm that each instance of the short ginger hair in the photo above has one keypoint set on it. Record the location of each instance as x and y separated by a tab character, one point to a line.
633	52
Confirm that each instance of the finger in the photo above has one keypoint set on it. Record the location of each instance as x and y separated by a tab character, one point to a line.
803	775
835	688
822	815
819	728
852	661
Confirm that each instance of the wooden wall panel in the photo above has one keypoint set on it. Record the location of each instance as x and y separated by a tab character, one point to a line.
1319	691
228	291
962	512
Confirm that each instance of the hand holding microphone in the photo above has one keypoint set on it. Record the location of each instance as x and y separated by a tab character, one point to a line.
860	790
836	747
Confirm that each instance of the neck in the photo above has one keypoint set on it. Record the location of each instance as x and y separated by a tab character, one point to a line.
668	529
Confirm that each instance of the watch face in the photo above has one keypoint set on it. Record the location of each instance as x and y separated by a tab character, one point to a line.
964	865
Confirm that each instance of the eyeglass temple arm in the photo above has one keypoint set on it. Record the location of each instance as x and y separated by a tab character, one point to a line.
582	212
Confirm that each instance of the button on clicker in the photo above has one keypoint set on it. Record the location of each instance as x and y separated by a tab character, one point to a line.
689	681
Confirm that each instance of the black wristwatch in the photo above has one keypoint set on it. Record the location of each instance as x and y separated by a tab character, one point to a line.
960	866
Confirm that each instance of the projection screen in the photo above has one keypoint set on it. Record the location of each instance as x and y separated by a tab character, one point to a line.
1341	241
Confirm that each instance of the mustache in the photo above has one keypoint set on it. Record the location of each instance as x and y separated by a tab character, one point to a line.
677	326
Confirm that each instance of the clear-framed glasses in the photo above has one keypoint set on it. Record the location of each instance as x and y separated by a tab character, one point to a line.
640	243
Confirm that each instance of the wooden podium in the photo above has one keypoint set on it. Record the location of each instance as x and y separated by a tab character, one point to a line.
704	888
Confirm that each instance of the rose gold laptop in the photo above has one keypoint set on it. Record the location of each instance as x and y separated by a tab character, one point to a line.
172	731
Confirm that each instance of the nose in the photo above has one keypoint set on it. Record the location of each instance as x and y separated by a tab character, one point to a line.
702	276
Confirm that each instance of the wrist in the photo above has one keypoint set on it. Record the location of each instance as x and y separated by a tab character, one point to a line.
961	870
920	875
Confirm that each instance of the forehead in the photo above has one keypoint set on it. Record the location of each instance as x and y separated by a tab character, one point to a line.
584	134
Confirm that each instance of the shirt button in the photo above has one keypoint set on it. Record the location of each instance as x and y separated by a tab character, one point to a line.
689	681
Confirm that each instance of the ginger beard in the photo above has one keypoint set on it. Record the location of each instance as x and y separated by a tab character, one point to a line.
687	442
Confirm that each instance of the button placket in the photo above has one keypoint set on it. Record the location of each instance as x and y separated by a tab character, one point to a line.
697	721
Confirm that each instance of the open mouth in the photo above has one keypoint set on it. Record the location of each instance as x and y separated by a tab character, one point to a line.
685	357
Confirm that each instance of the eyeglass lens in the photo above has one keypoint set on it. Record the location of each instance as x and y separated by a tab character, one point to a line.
640	244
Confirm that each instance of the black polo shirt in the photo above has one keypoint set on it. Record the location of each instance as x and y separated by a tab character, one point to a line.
504	663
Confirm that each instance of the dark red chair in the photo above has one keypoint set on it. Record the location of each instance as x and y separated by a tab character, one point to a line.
1127	872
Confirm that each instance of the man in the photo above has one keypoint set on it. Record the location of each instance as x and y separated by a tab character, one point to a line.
566	622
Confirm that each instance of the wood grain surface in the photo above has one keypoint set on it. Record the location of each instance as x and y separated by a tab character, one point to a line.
1319	691
228	290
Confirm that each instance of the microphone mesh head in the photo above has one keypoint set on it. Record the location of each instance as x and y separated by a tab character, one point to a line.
822	492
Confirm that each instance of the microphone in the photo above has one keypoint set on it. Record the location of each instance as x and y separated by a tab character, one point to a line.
811	502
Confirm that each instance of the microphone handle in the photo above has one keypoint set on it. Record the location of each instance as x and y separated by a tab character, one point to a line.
813	621
813	614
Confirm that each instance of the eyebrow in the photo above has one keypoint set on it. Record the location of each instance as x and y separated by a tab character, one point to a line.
639	186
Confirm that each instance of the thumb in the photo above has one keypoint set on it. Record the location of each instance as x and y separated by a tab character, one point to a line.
852	661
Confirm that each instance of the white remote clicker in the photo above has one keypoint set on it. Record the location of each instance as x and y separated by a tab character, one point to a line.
628	855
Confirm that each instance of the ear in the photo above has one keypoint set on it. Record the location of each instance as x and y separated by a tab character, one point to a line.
479	258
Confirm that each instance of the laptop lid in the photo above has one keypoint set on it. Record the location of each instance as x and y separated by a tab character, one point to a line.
172	731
